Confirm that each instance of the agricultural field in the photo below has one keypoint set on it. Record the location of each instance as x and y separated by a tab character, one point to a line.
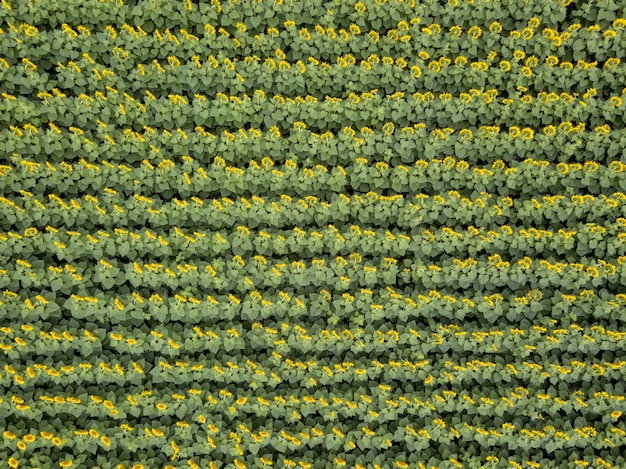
373	234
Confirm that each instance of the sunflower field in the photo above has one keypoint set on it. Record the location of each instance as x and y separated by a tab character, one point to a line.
373	234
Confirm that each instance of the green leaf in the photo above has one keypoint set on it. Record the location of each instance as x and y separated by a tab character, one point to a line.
107	283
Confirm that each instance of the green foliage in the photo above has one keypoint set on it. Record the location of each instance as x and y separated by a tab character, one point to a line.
304	233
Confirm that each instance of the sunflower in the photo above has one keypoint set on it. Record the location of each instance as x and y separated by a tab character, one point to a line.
475	32
551	61
434	66
495	28
456	31
532	61
612	62
549	130
527	133
514	131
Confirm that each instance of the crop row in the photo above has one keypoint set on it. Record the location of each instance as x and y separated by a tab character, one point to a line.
602	241
572	145
256	15
334	372
109	46
297	414
362	402
23	342
235	275
365	304
542	112
449	74
191	178
294	445
369	208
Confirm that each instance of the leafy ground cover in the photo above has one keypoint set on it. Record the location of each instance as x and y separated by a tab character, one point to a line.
320	234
